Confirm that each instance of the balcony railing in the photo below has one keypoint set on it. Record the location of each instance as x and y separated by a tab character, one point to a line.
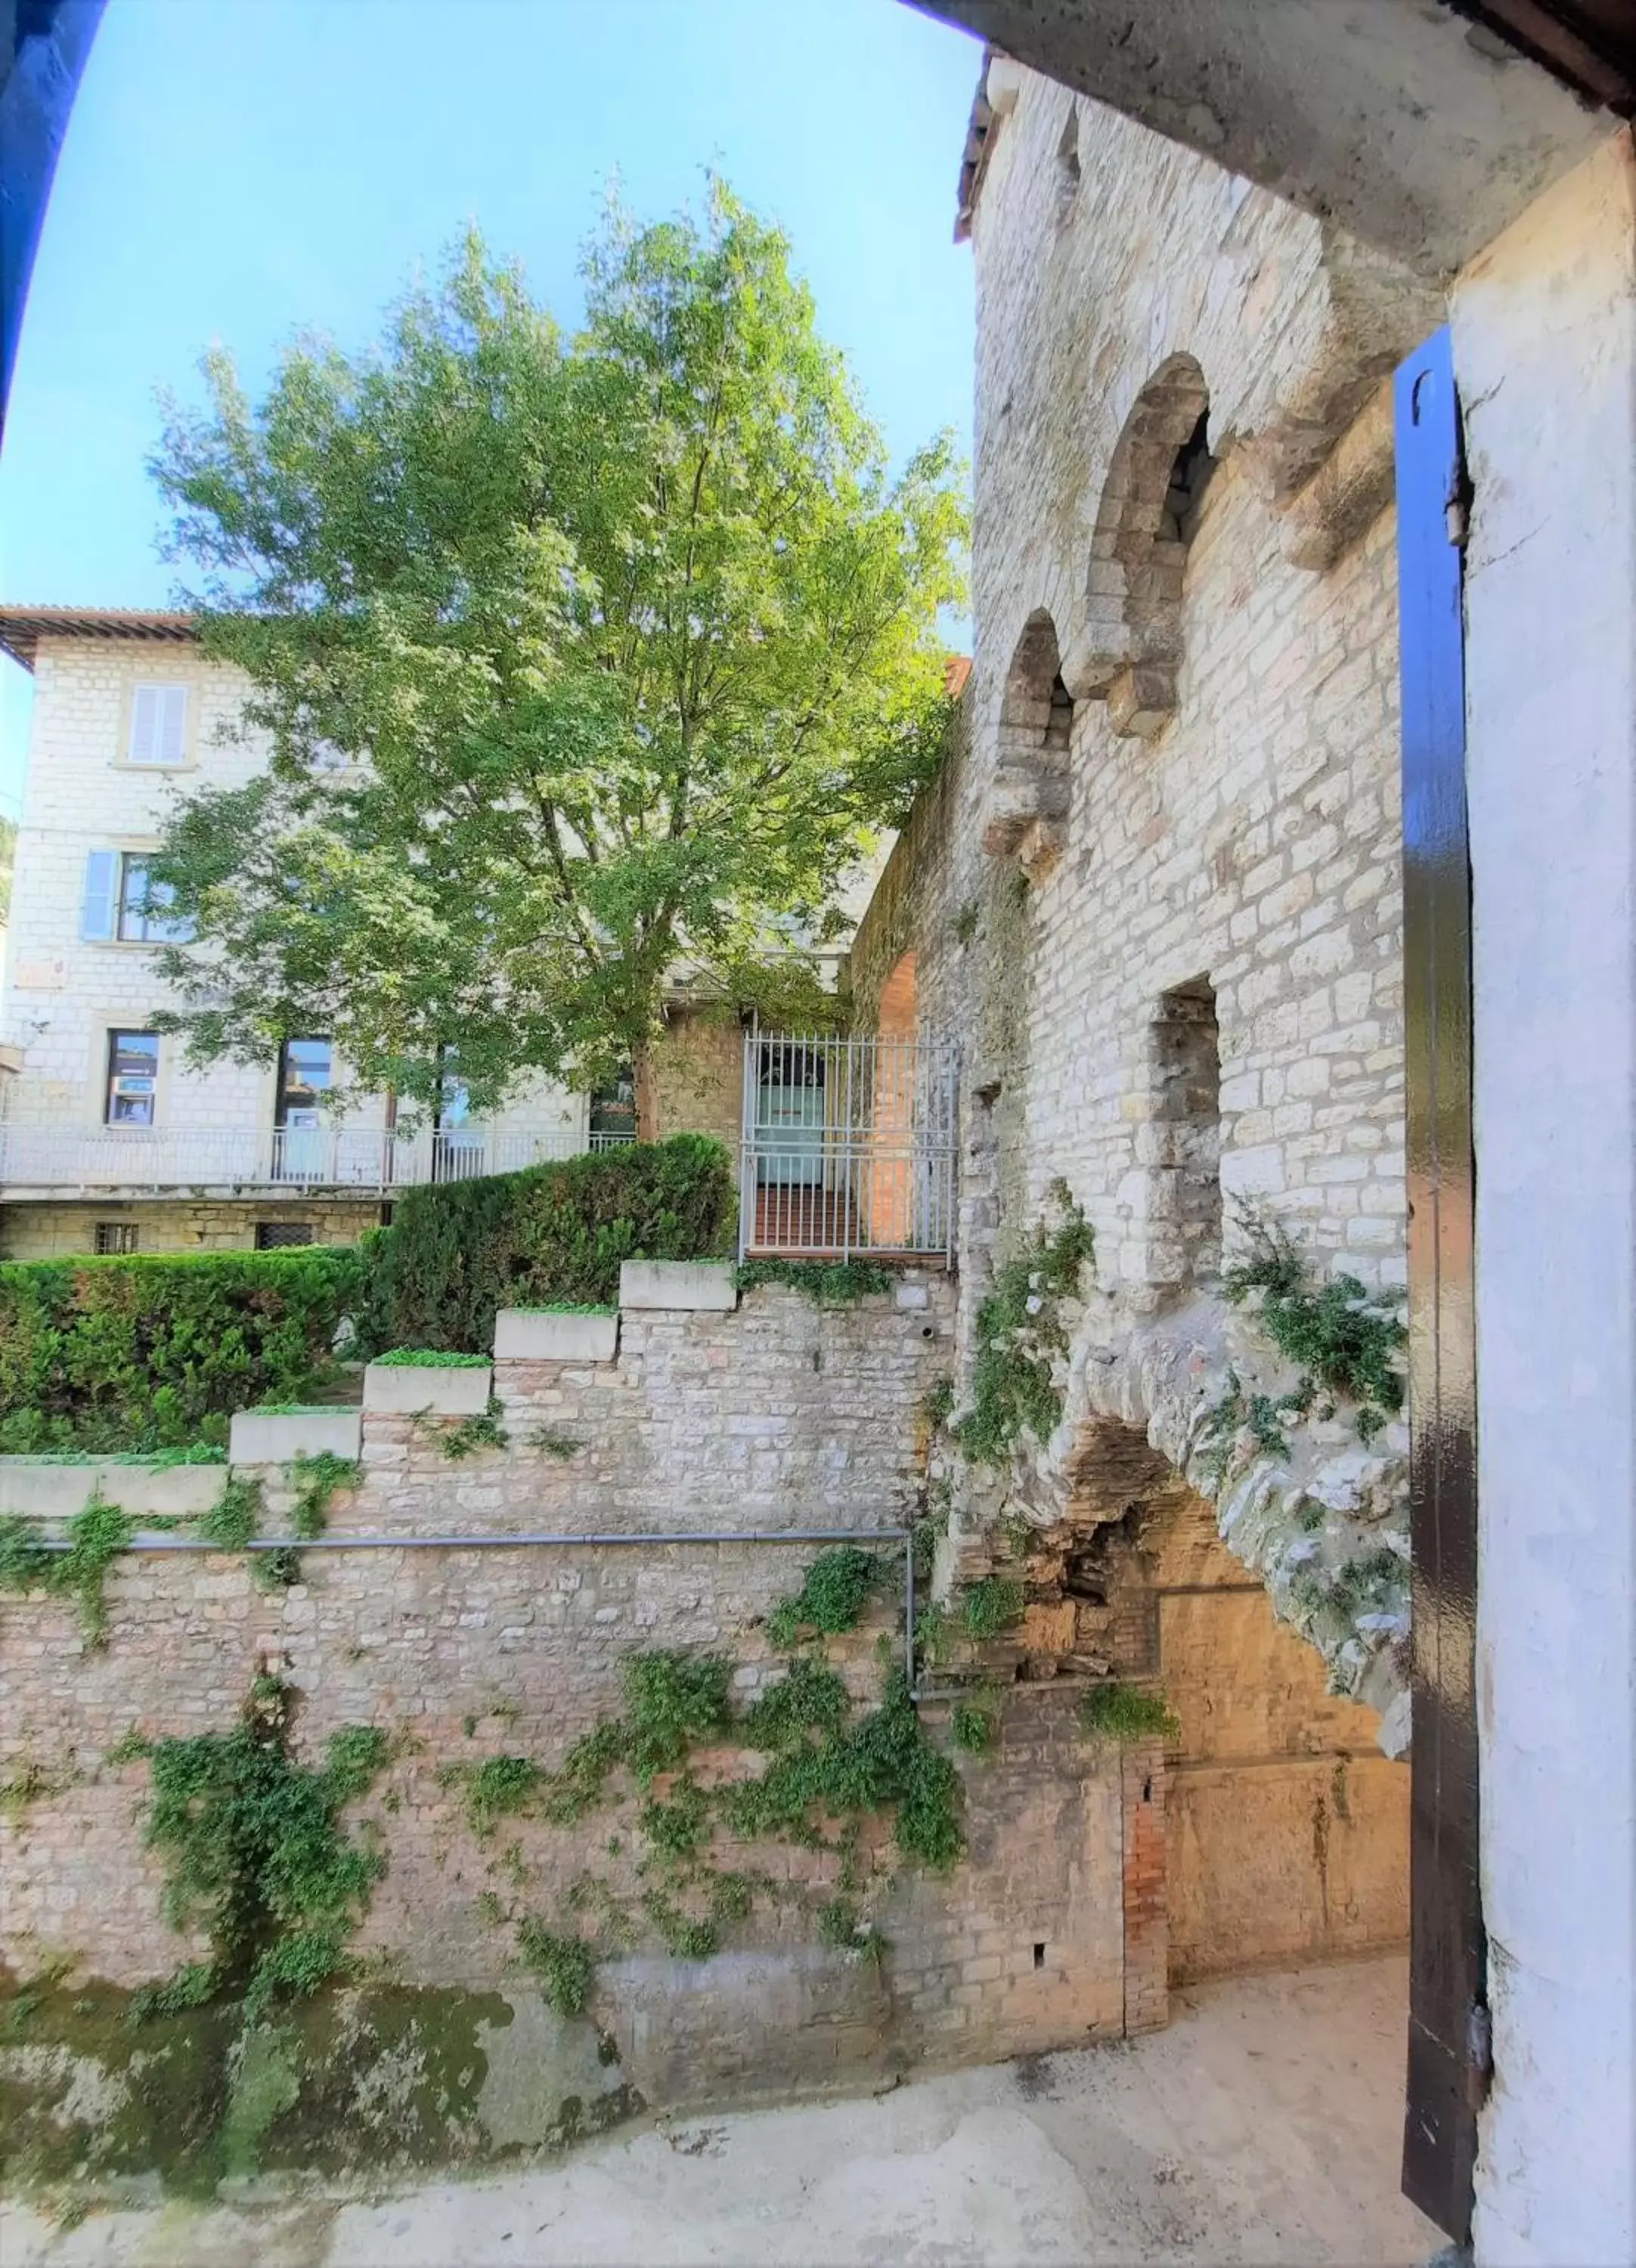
66	1160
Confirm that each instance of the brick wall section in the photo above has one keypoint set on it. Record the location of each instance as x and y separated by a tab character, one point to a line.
692	1082
1147	1909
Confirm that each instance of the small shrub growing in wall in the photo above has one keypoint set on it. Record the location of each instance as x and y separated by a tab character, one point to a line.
1020	1336
1344	1339
1113	1710
830	1600
564	1966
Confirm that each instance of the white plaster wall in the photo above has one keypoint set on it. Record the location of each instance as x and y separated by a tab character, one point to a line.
1545	327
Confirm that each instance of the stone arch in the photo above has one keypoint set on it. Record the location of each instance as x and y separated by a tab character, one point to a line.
1280	1831
1027	798
1131	650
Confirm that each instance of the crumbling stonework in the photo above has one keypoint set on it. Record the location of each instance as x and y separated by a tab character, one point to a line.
1167	848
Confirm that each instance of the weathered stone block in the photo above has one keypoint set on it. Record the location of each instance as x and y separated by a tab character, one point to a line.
404	1389
682	1284
34	1488
268	1437
544	1335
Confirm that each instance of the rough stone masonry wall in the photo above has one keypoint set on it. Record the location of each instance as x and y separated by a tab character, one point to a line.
1247	840
53	1231
774	1417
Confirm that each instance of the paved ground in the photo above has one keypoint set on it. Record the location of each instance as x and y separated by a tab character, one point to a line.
1263	2127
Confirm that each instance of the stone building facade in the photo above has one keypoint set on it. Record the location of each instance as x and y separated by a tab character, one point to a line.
127	713
1155	892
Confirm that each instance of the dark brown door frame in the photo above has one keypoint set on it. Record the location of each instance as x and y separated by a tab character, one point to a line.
1448	2014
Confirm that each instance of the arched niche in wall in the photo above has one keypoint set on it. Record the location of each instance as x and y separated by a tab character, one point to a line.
1130	651
1027	799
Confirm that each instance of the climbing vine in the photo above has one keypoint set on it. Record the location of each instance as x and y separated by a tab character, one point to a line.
95	1535
234	1519
831	1598
315	1480
827	1764
1020	1335
255	1849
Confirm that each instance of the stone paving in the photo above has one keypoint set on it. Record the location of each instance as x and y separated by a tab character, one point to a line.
1263	2127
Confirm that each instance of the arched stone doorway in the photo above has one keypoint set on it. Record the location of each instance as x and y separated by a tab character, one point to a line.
1270	1831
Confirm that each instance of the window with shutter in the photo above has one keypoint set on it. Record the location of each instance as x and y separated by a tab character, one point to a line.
159	724
100	907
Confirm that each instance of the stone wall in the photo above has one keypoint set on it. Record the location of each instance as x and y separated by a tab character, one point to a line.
52	1232
692	1081
1156	896
777	1416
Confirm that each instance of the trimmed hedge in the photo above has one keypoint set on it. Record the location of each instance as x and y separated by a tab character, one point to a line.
154	1351
551	1234
148	1353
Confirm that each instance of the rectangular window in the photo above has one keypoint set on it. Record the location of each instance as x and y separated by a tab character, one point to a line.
115	1236
159	724
141	917
304	1073
120	902
614	1108
275	1235
133	1077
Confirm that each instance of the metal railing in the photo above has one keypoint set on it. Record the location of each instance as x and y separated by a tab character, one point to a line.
848	1145
372	1159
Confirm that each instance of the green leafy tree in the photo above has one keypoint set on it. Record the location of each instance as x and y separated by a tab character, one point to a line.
631	637
8	853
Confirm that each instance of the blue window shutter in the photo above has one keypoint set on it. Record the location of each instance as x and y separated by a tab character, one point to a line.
99	910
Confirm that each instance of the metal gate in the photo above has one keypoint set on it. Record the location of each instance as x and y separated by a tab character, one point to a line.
848	1146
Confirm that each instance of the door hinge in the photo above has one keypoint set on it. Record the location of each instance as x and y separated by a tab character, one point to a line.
1457	519
1479	2053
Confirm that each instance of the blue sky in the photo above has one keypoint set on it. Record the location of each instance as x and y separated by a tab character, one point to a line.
238	169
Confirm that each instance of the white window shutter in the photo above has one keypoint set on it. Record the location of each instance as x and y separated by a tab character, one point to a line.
100	909
145	718
172	724
159	724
